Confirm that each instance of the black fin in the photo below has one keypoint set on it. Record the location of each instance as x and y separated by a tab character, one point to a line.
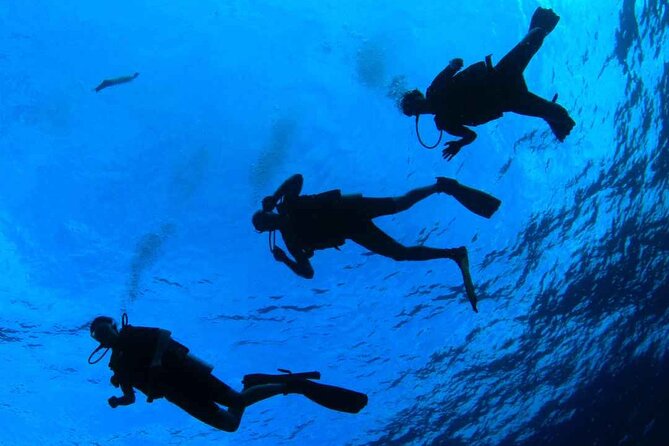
479	202
333	397
255	379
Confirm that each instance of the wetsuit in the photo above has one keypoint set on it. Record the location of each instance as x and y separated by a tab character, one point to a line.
316	221
473	96
326	220
180	378
149	360
482	92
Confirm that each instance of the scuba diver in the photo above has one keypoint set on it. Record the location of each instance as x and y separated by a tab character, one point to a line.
116	81
312	222
482	92
148	359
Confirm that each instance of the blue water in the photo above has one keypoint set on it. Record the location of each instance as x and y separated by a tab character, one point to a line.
139	199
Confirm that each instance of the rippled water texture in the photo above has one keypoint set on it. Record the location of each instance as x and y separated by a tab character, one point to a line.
139	198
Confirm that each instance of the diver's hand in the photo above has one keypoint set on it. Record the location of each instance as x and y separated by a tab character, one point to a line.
268	203
456	63
114	381
452	149
113	402
279	254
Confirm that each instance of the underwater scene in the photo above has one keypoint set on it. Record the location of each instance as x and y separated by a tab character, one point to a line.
188	189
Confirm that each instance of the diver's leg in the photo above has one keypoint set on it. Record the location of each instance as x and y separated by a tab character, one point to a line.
412	197
208	412
542	23
253	395
513	64
227	420
377	241
381	243
475	200
227	396
378	207
555	115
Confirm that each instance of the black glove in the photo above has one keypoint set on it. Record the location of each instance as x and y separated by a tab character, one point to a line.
279	254
114	381
113	402
456	63
268	203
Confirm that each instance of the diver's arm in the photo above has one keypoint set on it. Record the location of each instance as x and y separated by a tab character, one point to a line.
453	67
300	266
127	399
467	136
290	188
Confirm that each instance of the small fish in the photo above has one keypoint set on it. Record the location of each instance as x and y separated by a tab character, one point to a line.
115	81
168	282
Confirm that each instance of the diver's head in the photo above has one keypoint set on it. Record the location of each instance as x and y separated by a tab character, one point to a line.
103	329
265	221
413	103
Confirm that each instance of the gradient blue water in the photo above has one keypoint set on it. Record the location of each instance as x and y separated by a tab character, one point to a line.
139	198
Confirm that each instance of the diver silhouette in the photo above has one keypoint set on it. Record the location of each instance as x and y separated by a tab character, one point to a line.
312	222
482	93
149	360
115	81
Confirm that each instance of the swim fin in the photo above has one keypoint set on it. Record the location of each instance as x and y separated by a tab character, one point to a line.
256	379
479	202
332	397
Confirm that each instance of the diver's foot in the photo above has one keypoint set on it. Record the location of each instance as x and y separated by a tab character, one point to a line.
447	185
461	257
561	129
545	19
